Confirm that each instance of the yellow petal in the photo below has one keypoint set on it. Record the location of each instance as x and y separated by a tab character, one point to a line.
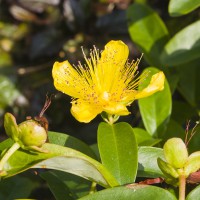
115	52
111	63
84	112
68	80
116	109
156	84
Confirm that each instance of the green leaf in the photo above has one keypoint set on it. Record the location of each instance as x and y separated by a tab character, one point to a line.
117	143
172	78
180	7
16	187
66	186
57	186
193	145
144	138
6	144
188	84
95	149
194	194
183	47
182	110
71	142
147	31
174	129
23	160
141	192
60	158
147	162
155	109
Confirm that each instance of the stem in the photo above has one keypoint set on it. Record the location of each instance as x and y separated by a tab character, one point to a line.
182	184
9	153
93	188
110	119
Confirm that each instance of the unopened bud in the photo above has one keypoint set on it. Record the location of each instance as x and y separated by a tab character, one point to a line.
175	152
31	133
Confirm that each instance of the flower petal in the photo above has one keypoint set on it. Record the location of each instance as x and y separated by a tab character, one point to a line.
116	109
83	111
111	63
156	84
68	80
115	52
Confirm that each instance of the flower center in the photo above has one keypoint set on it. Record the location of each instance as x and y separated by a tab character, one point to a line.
106	96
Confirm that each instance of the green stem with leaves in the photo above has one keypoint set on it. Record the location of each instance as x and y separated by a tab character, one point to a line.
7	155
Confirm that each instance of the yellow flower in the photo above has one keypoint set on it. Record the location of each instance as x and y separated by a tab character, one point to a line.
105	83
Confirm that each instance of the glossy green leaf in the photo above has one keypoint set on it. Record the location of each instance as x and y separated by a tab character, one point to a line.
188	84
147	31
147	162
180	7
66	186
134	191
144	138
74	162
194	194
181	48
60	158
146	168
16	187
6	144
155	109
71	142
117	143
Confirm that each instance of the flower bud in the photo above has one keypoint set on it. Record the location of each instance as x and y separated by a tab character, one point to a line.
193	163
167	169
175	152
31	133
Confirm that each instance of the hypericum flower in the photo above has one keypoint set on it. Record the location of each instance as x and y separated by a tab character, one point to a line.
105	83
